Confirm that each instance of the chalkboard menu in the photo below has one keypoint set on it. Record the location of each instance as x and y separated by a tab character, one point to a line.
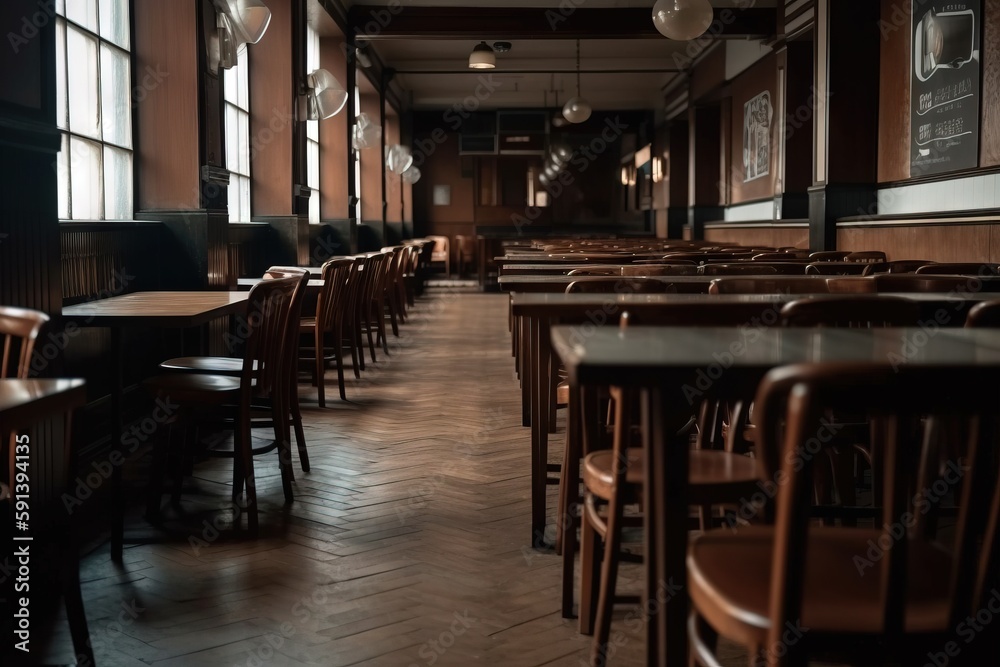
944	91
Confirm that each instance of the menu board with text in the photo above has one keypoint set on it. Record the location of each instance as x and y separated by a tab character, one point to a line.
944	90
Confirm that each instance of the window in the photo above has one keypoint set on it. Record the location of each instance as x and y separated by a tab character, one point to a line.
237	103
357	159
312	131
94	109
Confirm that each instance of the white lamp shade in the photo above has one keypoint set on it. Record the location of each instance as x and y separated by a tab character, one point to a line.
558	120
398	158
682	20
543	178
561	153
482	57
577	110
326	96
366	133
248	19
411	174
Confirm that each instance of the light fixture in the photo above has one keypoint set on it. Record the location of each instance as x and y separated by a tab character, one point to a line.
366	133
482	57
240	22
577	109
682	20
398	158
411	174
324	96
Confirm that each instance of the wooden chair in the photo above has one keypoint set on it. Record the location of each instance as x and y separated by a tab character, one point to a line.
850	311
614	477
19	329
895	266
782	256
327	327
594	272
894	603
441	253
745	268
271	327
851	284
835	268
768	285
829	255
866	256
960	268
465	249
631	284
984	314
906	282
659	269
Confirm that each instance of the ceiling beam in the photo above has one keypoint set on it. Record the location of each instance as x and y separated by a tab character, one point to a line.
371	22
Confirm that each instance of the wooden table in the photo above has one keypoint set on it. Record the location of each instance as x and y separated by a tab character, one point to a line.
534	313
663	361
150	309
53	557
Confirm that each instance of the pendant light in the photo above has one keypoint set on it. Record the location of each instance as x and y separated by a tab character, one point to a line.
682	20
577	109
482	57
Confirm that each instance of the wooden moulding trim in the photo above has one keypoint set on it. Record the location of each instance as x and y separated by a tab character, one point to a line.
756	225
922	221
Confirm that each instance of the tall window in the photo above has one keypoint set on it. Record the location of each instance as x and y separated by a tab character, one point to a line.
312	130
357	158
237	101
94	109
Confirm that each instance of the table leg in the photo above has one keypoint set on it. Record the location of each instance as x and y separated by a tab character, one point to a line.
539	437
117	495
524	367
666	511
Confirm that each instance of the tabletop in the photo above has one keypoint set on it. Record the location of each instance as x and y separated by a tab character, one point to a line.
25	401
157	308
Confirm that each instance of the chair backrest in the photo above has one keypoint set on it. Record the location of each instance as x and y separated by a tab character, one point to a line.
768	285
913	282
442	248
620	285
851	284
865	256
862	310
829	255
895	266
689	269
791	408
332	298
466	245
738	269
19	329
269	350
594	272
960	268
835	268
984	314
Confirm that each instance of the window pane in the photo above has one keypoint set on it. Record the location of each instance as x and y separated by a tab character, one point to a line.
313	158
244	143
314	207
115	98
61	120
61	7
117	184
85	171
312	129
232	134
62	177
114	21
243	72
84	102
83	12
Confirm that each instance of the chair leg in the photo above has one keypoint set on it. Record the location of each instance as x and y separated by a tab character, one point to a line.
300	435
320	369
589	574
279	417
609	580
248	481
338	353
75	613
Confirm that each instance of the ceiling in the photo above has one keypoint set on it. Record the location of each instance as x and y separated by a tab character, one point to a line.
431	59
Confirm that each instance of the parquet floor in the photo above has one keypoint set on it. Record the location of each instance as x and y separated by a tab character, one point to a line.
406	545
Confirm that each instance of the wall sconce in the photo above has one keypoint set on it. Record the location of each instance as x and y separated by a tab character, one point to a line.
398	158
324	97
625	175
366	133
658	169
411	174
239	22
482	57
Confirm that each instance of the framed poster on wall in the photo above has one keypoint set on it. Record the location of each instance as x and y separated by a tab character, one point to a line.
757	115
945	86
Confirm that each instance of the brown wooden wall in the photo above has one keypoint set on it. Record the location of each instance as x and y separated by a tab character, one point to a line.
371	158
334	168
167	152
393	181
764	235
272	90
759	78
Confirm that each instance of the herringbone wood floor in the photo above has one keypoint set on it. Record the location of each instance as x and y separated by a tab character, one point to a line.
406	545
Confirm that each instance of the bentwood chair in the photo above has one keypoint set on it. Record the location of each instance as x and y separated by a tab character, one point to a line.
960	268
885	594
19	329
441	253
984	314
465	249
613	480
895	266
327	328
270	347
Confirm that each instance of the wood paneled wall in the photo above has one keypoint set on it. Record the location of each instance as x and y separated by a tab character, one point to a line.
167	156
770	235
393	181
272	92
989	54
371	158
335	169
